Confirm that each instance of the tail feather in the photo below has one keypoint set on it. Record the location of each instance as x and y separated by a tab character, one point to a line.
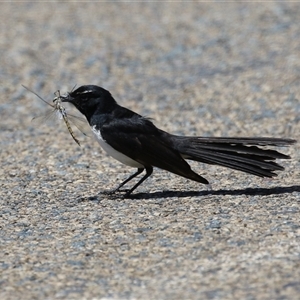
253	150
241	154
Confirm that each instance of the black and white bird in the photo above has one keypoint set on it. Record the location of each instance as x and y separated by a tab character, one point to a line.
136	142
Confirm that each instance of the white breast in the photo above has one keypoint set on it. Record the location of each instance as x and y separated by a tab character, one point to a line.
114	153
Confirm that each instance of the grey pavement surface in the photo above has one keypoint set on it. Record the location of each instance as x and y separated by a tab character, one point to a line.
221	69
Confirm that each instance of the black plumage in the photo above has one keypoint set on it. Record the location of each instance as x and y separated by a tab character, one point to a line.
136	141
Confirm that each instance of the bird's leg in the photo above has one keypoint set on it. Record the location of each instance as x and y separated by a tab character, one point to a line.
139	171
149	171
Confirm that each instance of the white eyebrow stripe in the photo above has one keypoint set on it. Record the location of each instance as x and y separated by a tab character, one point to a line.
87	91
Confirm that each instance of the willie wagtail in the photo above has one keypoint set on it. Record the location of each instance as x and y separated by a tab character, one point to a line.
135	141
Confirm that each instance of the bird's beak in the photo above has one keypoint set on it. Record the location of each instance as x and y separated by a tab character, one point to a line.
66	98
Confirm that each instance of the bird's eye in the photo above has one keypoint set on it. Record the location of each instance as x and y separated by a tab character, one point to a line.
84	95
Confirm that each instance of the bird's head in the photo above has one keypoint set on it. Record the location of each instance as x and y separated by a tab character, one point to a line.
90	100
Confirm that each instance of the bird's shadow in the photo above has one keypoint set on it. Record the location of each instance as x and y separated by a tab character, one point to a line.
222	192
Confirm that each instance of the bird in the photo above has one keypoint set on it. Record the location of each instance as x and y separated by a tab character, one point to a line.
135	141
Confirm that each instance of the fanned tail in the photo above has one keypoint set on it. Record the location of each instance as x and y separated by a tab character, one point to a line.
243	154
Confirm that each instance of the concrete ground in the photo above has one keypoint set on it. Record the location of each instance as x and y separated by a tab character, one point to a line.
221	69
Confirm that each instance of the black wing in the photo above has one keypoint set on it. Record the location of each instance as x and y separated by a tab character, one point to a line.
139	139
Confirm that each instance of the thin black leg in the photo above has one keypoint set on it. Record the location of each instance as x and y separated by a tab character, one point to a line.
149	171
139	171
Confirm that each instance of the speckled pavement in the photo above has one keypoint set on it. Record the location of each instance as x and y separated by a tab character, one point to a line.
221	69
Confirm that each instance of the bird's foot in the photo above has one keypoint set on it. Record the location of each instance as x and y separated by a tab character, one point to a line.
108	192
127	192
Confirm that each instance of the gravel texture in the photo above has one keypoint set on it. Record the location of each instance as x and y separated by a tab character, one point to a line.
222	69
